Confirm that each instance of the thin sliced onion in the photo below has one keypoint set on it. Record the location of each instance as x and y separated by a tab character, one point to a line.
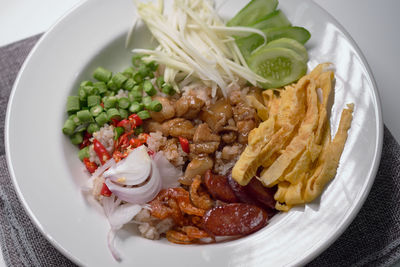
169	174
118	215
88	186
140	194
132	170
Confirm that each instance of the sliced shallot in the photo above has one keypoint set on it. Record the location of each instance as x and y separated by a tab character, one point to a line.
169	174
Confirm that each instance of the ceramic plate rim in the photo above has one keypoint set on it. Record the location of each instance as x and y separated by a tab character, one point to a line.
345	223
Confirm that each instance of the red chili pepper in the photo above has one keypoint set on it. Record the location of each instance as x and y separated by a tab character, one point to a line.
86	140
123	141
101	151
126	124
143	137
90	166
135	142
114	122
184	144
136	119
105	191
102	104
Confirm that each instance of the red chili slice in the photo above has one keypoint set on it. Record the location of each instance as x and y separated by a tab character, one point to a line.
105	191
136	119
135	142
90	166
126	124
114	122
86	140
184	144
101	151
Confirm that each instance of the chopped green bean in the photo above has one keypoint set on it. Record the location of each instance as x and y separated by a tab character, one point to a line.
93	100
124	113
81	128
69	127
155	105
123	102
73	103
138	87
109	93
137	60
96	110
102	74
101	86
101	119
88	89
137	77
77	138
84	116
135	96
144	114
84	153
86	83
152	65
117	132
128	72
93	127
146	101
82	94
129	84
113	113
168	89
136	107
112	86
75	119
110	102
144	71
119	79
149	88
160	81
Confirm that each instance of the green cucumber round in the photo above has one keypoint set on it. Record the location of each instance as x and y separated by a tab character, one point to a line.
280	66
290	44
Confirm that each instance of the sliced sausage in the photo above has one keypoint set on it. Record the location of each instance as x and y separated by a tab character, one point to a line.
219	188
263	194
234	219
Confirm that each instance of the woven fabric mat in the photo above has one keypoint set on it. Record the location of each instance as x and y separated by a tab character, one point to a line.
373	238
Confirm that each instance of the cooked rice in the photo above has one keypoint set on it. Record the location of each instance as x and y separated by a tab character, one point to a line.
155	141
221	165
150	227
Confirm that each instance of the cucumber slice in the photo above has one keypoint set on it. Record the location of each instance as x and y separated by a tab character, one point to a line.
290	44
274	20
297	33
280	66
249	43
253	12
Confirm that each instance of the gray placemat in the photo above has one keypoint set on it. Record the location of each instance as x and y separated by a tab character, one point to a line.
373	239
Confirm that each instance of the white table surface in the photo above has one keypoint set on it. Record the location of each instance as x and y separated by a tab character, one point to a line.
374	25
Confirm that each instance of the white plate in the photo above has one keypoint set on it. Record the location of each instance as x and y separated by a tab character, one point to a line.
46	170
